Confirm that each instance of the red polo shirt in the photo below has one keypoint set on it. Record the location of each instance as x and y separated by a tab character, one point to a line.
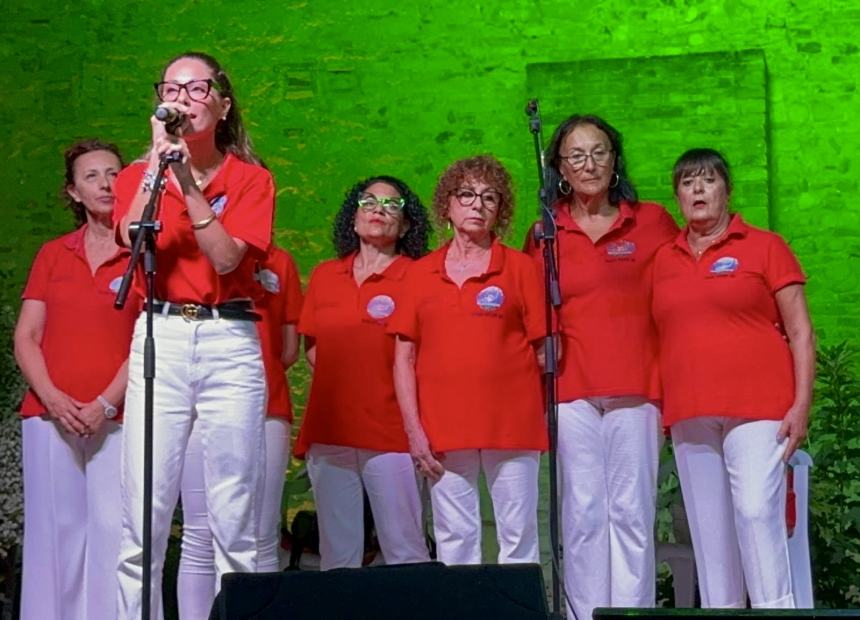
352	401
242	195
609	346
85	340
278	300
479	384
721	352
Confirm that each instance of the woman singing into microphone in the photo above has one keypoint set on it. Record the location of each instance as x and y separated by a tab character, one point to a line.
216	213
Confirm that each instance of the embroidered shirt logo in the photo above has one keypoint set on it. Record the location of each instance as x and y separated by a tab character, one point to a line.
218	204
490	298
620	249
269	280
725	264
380	307
115	284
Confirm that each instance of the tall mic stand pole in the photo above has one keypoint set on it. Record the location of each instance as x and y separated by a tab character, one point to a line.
143	233
545	234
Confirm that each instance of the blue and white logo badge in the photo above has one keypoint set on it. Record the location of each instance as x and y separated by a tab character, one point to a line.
115	284
218	204
269	280
725	264
380	307
491	298
620	249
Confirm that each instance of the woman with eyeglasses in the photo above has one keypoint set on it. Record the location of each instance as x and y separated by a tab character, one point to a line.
72	347
216	212
352	435
467	368
609	430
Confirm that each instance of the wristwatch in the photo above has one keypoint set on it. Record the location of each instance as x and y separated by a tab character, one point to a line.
110	410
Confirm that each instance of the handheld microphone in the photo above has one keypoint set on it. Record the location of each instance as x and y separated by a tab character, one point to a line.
171	117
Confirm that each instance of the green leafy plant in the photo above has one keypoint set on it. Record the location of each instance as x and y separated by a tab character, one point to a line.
12	388
835	479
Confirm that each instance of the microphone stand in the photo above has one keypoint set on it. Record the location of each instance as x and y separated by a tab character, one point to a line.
143	233
545	234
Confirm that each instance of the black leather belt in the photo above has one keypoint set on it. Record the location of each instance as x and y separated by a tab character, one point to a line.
231	310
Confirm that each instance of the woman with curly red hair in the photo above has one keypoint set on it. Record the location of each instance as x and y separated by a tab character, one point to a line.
467	369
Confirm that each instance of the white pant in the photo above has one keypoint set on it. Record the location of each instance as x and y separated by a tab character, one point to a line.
512	478
733	480
71	522
196	583
209	374
338	474
608	449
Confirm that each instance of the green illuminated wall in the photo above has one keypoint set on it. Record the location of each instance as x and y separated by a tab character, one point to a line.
333	91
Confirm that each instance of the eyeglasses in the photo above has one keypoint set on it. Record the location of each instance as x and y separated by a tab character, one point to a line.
197	90
490	198
599	156
392	205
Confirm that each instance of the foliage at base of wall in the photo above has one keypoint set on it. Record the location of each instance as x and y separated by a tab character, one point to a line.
835	479
11	389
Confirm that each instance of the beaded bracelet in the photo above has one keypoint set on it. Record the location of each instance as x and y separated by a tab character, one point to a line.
149	182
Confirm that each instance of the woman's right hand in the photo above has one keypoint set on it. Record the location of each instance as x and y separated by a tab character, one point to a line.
65	410
165	142
426	461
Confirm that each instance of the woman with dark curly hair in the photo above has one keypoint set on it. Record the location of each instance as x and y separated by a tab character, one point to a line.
608	391
72	347
352	434
467	369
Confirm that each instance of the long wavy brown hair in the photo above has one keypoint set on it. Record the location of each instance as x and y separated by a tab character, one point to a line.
230	134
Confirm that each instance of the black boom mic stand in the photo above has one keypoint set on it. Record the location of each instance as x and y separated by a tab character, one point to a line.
143	234
545	235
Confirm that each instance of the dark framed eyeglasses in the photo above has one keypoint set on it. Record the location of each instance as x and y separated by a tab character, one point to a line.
197	90
600	156
490	198
390	204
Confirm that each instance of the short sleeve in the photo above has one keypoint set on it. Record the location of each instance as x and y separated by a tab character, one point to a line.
250	219
533	299
783	267
404	322
293	291
40	275
307	319
666	226
125	188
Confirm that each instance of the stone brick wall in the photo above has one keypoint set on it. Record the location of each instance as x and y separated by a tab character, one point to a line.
334	91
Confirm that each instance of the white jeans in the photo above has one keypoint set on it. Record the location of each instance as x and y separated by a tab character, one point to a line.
608	450
733	480
209	375
71	522
338	474
512	478
196	583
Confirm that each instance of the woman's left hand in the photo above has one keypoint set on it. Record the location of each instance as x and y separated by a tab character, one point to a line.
93	415
794	426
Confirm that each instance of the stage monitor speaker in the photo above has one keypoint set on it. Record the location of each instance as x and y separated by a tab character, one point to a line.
724	614
430	591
